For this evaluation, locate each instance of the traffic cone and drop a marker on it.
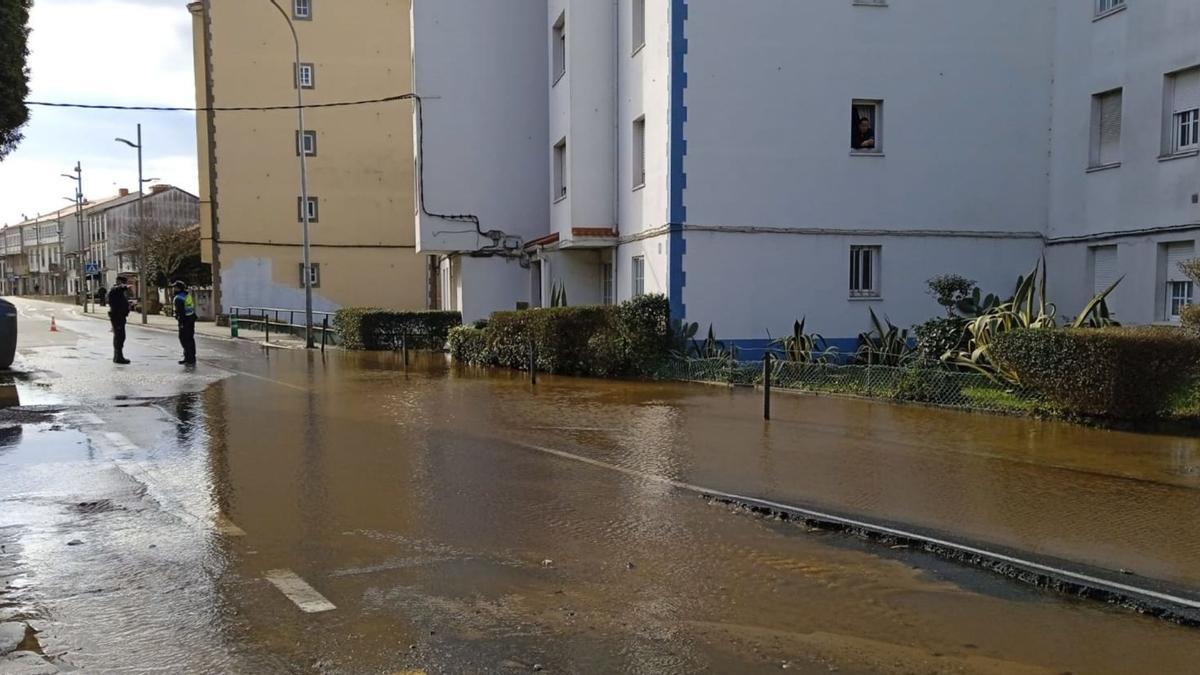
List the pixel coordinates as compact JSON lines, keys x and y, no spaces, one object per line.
{"x":53,"y":325}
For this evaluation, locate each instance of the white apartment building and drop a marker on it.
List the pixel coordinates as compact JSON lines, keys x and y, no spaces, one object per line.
{"x":765,"y":160}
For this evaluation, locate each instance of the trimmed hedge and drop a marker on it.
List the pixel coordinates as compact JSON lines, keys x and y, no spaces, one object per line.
{"x":632,"y":338}
{"x":364,"y":328}
{"x":938,"y":336}
{"x":1189,"y":318}
{"x":1127,"y":373}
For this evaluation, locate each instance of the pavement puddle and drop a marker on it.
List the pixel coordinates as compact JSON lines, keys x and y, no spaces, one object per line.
{"x":298,"y":591}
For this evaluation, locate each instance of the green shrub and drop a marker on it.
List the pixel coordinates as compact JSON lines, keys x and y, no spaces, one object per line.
{"x":1189,"y":318}
{"x":381,"y":329}
{"x":632,"y":338}
{"x":1126,"y":373}
{"x":937,"y":337}
{"x":470,"y":345}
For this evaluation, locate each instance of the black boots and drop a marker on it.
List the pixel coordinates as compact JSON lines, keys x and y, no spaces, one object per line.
{"x":119,"y":358}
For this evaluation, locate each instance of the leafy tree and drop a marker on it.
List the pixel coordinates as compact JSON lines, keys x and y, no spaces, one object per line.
{"x":14,"y":73}
{"x":949,"y":290}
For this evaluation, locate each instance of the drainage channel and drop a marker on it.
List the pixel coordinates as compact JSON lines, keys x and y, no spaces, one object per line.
{"x":1175,"y":605}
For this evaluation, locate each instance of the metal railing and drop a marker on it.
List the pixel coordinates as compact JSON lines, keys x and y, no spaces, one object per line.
{"x":930,"y":385}
{"x":272,"y":319}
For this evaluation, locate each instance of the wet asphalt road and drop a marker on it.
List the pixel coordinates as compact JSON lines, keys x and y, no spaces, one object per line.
{"x":143,"y":509}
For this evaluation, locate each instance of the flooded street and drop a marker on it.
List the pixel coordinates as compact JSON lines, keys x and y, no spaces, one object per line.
{"x":460,"y":521}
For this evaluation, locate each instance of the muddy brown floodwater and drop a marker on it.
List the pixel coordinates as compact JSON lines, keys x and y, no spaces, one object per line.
{"x":415,"y":501}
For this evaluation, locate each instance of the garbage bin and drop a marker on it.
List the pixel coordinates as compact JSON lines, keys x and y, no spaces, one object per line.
{"x":8,"y":333}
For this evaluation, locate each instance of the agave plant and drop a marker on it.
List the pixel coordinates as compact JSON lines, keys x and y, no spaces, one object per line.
{"x":885,"y":344}
{"x":711,"y":348}
{"x":801,"y":347}
{"x":1026,"y":309}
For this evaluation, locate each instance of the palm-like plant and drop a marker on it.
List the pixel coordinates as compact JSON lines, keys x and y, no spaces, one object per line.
{"x":801,"y":347}
{"x":885,"y":344}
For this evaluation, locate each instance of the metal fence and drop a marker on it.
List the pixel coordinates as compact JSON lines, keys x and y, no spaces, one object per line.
{"x":270,"y":320}
{"x":934,"y":385}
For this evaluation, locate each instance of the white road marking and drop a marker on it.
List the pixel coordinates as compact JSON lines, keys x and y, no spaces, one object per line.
{"x":226,"y":527}
{"x":121,"y":441}
{"x":574,"y":429}
{"x":90,"y":418}
{"x":298,"y":591}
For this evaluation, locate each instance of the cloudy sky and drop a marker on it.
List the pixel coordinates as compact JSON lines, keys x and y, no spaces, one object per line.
{"x":129,"y":52}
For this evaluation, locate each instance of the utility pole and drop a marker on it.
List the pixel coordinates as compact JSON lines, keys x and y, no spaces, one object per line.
{"x":308,"y":310}
{"x":81,"y":284}
{"x":140,"y":214}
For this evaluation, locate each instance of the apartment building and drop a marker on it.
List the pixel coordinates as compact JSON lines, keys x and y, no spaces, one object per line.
{"x":762,"y":161}
{"x":110,"y":227}
{"x":359,"y":158}
{"x":32,"y":256}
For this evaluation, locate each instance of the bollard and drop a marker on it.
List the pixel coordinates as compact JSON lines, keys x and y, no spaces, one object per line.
{"x":404,"y":349}
{"x":267,"y":327}
{"x":532,"y":362}
{"x":767,"y":386}
{"x":324,"y":332}
{"x":233,"y":327}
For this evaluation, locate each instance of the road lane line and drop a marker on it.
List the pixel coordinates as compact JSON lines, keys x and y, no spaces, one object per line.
{"x":1085,"y":580}
{"x":255,"y":377}
{"x":120,"y":440}
{"x":91,"y":418}
{"x":227,"y":527}
{"x":298,"y":591}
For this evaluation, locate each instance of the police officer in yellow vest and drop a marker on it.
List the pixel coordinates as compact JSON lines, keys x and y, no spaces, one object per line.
{"x":185,"y":314}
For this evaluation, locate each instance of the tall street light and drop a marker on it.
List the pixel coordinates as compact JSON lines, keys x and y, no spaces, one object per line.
{"x":141,"y":216}
{"x":308,"y":310}
{"x":77,"y":178}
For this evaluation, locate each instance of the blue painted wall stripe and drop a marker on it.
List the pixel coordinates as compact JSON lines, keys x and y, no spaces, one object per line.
{"x":677,"y":211}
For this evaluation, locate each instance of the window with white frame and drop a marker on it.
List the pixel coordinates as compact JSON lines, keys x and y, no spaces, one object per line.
{"x":639,"y":25}
{"x":314,"y":274}
{"x":639,"y":152}
{"x":313,"y":209}
{"x":638,"y":270}
{"x":306,"y":143}
{"x":559,"y":47}
{"x":606,"y":283}
{"x":560,"y":170}
{"x":1179,"y":288}
{"x":1182,"y":105}
{"x":864,"y":271}
{"x":866,"y":119}
{"x":1106,"y":6}
{"x":1106,"y":129}
{"x":306,"y":76}
{"x":302,"y":9}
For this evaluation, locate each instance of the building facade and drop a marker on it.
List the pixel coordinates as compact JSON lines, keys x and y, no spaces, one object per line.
{"x":359,"y":157}
{"x":759,"y":162}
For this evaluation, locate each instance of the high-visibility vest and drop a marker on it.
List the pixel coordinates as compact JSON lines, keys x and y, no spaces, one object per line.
{"x":189,"y":304}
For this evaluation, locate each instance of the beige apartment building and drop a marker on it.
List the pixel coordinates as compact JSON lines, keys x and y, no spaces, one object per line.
{"x":360,"y":158}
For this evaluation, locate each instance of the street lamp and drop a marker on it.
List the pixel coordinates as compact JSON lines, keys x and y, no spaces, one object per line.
{"x":77,"y":178}
{"x":308,"y":310}
{"x":141,"y":217}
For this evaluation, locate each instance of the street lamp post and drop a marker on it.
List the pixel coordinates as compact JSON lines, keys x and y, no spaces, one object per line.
{"x":308,"y":310}
{"x":140,"y":214}
{"x":82,"y":281}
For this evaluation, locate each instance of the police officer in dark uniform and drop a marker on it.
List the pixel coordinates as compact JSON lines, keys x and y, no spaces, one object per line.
{"x":185,"y":315}
{"x":118,"y":313}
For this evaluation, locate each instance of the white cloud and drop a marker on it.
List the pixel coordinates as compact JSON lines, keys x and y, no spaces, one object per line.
{"x":103,"y":51}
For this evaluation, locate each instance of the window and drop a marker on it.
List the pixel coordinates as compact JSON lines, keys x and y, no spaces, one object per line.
{"x":606,"y":283}
{"x":1108,"y":6}
{"x":314,"y":274}
{"x":639,"y":276}
{"x":302,"y":9}
{"x":864,"y":271}
{"x":560,"y":170}
{"x":306,"y":76}
{"x":1106,"y":129}
{"x":1179,"y":287}
{"x":866,"y":121}
{"x":306,"y":143}
{"x":560,"y":47}
{"x":1182,"y":93}
{"x":313,"y":209}
{"x":1104,"y":268}
{"x":639,"y":152}
{"x":639,"y":25}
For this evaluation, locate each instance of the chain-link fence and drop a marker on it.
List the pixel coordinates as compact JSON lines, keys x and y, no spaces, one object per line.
{"x":917,"y":384}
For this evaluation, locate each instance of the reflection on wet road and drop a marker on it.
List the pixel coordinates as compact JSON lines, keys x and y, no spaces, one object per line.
{"x":159,"y":519}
